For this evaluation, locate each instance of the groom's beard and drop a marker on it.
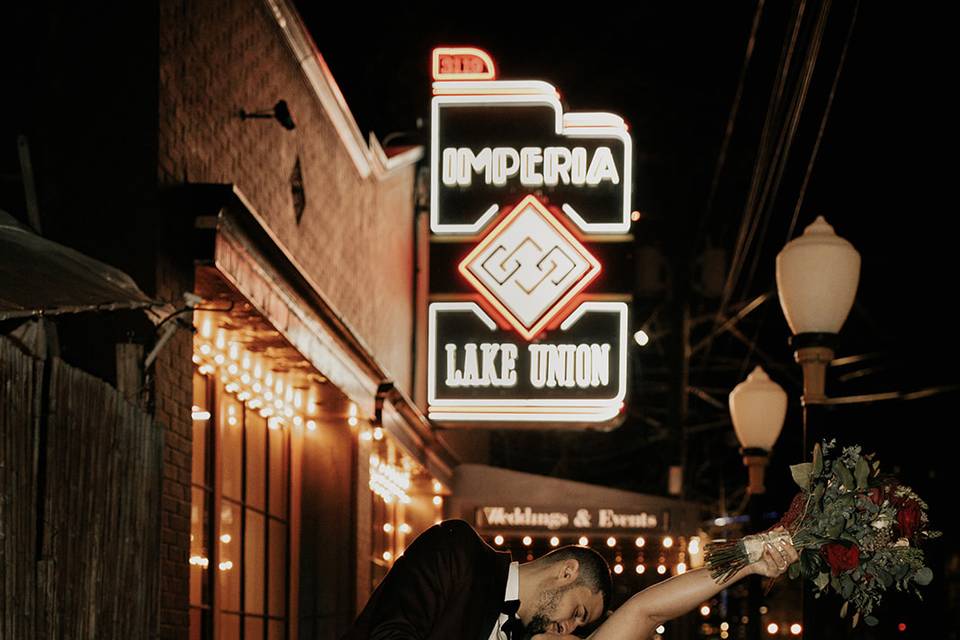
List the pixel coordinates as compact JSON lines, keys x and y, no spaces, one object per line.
{"x":546,"y":608}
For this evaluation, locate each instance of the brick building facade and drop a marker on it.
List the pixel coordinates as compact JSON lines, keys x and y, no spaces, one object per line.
{"x":304,"y":238}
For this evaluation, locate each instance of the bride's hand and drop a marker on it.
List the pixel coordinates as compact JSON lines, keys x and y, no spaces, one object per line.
{"x":776,"y":558}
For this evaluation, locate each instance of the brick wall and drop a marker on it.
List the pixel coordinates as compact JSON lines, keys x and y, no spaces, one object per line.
{"x":355,"y":238}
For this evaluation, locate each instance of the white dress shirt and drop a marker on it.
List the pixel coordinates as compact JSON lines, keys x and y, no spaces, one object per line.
{"x":512,"y":592}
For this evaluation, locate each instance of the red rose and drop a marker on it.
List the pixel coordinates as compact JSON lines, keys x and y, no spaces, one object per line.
{"x":841,"y":557}
{"x":908,"y":518}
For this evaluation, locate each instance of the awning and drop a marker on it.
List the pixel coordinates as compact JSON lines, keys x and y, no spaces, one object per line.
{"x":41,"y":277}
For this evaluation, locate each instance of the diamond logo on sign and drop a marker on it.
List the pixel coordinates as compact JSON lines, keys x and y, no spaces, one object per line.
{"x":529,"y":267}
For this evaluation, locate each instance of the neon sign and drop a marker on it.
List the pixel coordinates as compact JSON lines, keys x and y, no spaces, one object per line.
{"x":520,"y":338}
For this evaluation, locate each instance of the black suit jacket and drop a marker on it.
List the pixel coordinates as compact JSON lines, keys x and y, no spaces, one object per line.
{"x":448,"y":585}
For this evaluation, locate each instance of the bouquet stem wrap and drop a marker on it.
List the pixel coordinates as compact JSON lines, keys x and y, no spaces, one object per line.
{"x":726,"y":557}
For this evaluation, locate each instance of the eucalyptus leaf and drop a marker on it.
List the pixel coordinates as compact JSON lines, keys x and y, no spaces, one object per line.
{"x":844,"y":475}
{"x":924,"y":576}
{"x":801,"y":474}
{"x":846,"y":587}
{"x":817,"y":460}
{"x":871,"y":621}
{"x":821,"y":581}
{"x":862,"y":473}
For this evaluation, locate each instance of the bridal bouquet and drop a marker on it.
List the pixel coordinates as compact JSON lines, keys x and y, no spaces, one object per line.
{"x":857,"y":533}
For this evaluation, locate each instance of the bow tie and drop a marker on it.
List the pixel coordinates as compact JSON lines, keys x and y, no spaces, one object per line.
{"x":513,"y":628}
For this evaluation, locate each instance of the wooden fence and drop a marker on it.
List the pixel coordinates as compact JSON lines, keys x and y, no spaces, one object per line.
{"x":80,"y":474}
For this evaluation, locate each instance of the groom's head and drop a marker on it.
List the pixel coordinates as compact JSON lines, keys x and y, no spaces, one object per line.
{"x":566,"y":589}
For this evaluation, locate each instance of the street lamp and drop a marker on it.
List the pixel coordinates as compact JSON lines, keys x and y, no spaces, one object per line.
{"x":817,"y":276}
{"x":758,"y":407}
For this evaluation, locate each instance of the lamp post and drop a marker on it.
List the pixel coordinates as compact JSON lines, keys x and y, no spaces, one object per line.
{"x":817,"y":277}
{"x":758,"y":407}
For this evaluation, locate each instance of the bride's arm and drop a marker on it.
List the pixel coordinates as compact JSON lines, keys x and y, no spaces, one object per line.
{"x":653,"y":606}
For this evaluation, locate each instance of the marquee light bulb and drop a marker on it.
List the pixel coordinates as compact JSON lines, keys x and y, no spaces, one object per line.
{"x":498,"y":540}
{"x":554,"y":541}
{"x":611,"y":541}
{"x":527,"y":541}
{"x":667,"y":542}
{"x":583,"y":541}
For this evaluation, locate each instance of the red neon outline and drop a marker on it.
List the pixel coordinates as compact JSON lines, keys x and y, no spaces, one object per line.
{"x":483,"y":56}
{"x":549,"y":314}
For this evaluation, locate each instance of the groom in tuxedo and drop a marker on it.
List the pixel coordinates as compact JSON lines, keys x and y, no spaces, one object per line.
{"x":450,"y":585}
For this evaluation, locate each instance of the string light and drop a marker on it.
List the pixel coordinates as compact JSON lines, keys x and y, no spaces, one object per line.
{"x":389,"y":481}
{"x":583,"y":541}
{"x":498,"y":540}
{"x":527,"y":541}
{"x":226,"y":565}
{"x":796,"y":629}
{"x":225,"y":538}
{"x":640,"y":542}
{"x":437,"y":500}
{"x":773,"y":628}
{"x":641,"y":569}
{"x":378,"y":433}
{"x":705,"y":610}
{"x":387,"y":527}
{"x":311,"y":425}
{"x":387,"y":556}
{"x":352,"y":415}
{"x":681,"y":567}
{"x":554,"y":541}
{"x":200,"y":561}
{"x":661,"y":629}
{"x":437,"y":487}
{"x":611,"y":541}
{"x":694,"y":545}
{"x":661,"y":569}
{"x":405,"y":528}
{"x":667,"y":542}
{"x":724,"y":626}
{"x":618,"y":568}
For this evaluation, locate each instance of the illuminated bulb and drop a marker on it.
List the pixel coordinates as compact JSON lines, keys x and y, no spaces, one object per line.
{"x":196,"y":359}
{"x":366,"y":435}
{"x":724,"y":635}
{"x":378,"y":433}
{"x":233,"y":387}
{"x":278,"y":403}
{"x":226,"y":565}
{"x":257,"y":388}
{"x":694,"y":546}
{"x":437,"y":500}
{"x":232,"y":421}
{"x":437,"y":487}
{"x":268,"y":380}
{"x":640,"y":542}
{"x":352,"y":410}
{"x":352,"y":421}
{"x":311,"y":425}
{"x":681,"y":567}
{"x":278,"y":387}
{"x":297,"y":421}
{"x":206,"y":327}
{"x":374,"y":460}
{"x":387,"y":556}
{"x":527,"y":541}
{"x":772,"y":628}
{"x":219,"y":359}
{"x":661,"y":569}
{"x":554,"y":541}
{"x":634,"y":215}
{"x":618,"y":568}
{"x":199,"y":414}
{"x":641,"y":338}
{"x":405,"y":528}
{"x":641,"y":569}
{"x":221,"y":340}
{"x":245,"y":378}
{"x":243,"y":396}
{"x":705,"y":610}
{"x":205,"y":349}
{"x":298,"y":399}
{"x":255,"y":403}
{"x":724,"y":626}
{"x":661,"y":629}
{"x":583,"y":541}
{"x":796,"y":629}
{"x":667,"y":542}
{"x":257,"y":370}
{"x":245,"y":363}
{"x":225,"y":538}
{"x":763,"y":610}
{"x":266,"y":412}
{"x":288,"y":412}
{"x":611,"y":541}
{"x":234,"y":351}
{"x":275,"y":422}
{"x":206,"y":369}
{"x":498,"y":540}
